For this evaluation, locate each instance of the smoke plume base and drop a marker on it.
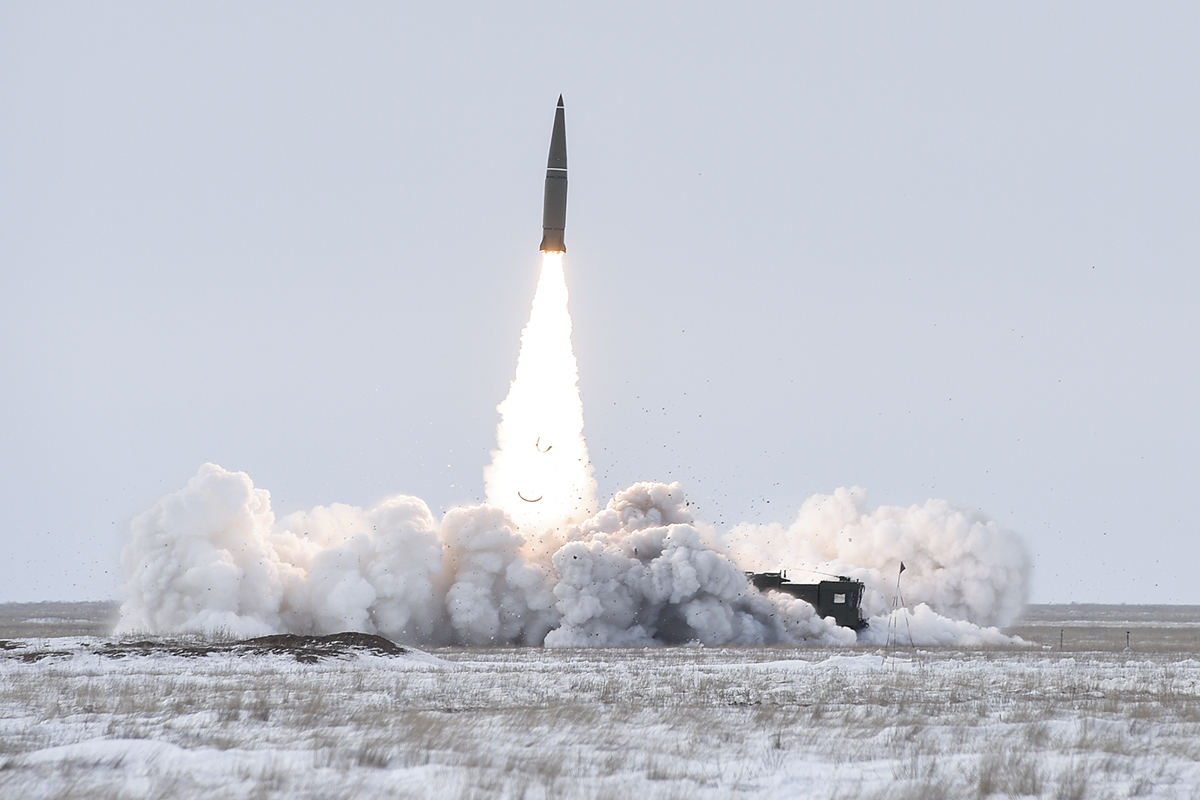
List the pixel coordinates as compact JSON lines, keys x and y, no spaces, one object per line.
{"x":212,"y":557}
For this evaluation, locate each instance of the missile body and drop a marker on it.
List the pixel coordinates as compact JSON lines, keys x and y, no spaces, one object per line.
{"x":554,"y":212}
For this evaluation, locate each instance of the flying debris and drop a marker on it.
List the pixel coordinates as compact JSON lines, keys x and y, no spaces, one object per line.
{"x":554,"y":213}
{"x":527,"y":500}
{"x":538,"y":445}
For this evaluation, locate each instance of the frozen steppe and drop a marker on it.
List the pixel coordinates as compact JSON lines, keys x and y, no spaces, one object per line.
{"x":1087,"y":718}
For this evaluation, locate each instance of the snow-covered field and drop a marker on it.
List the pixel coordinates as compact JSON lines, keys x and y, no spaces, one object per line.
{"x":1091,"y":719}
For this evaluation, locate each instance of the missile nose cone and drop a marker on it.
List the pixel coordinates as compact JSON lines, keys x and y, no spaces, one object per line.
{"x":560,"y":105}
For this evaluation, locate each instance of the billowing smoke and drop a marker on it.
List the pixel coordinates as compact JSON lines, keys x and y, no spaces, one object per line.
{"x":211,"y":557}
{"x":539,"y":564}
{"x":496,"y":594}
{"x":642,"y":572}
{"x":960,"y":565}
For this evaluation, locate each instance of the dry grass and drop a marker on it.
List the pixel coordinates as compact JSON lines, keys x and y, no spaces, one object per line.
{"x":661,"y":723}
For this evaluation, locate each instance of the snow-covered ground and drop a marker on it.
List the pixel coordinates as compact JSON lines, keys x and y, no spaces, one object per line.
{"x":654,"y":723}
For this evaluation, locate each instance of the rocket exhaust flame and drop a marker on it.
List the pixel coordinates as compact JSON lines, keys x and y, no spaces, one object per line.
{"x":543,"y":405}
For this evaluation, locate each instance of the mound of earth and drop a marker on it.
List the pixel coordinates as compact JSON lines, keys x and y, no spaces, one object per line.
{"x":310,"y":648}
{"x":307,"y":649}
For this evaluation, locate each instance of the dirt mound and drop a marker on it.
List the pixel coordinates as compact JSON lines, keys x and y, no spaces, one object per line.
{"x":307,"y":649}
{"x":310,"y":648}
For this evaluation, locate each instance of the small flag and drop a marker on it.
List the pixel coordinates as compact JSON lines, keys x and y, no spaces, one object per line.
{"x":901,"y":567}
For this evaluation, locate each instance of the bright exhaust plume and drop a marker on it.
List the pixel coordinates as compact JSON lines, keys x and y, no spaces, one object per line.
{"x":540,"y":472}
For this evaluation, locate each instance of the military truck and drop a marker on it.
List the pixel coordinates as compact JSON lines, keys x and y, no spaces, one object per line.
{"x":840,"y":599}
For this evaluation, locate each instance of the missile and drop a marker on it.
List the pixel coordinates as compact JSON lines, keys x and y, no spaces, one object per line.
{"x":554,"y":212}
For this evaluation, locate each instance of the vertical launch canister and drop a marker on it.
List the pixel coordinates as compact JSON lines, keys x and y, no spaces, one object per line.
{"x":554,"y":213}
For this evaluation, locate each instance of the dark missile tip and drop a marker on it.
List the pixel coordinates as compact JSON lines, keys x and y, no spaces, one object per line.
{"x":560,"y":101}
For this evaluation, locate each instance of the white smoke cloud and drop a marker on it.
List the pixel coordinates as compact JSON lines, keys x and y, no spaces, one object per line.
{"x":498,"y":596}
{"x":539,"y":564}
{"x":641,"y":572}
{"x":958,"y":562}
{"x":924,"y":626}
{"x":211,"y":557}
{"x":373,"y":571}
{"x":201,"y":559}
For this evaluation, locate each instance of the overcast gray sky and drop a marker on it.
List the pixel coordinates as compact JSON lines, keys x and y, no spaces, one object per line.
{"x":935,"y":250}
